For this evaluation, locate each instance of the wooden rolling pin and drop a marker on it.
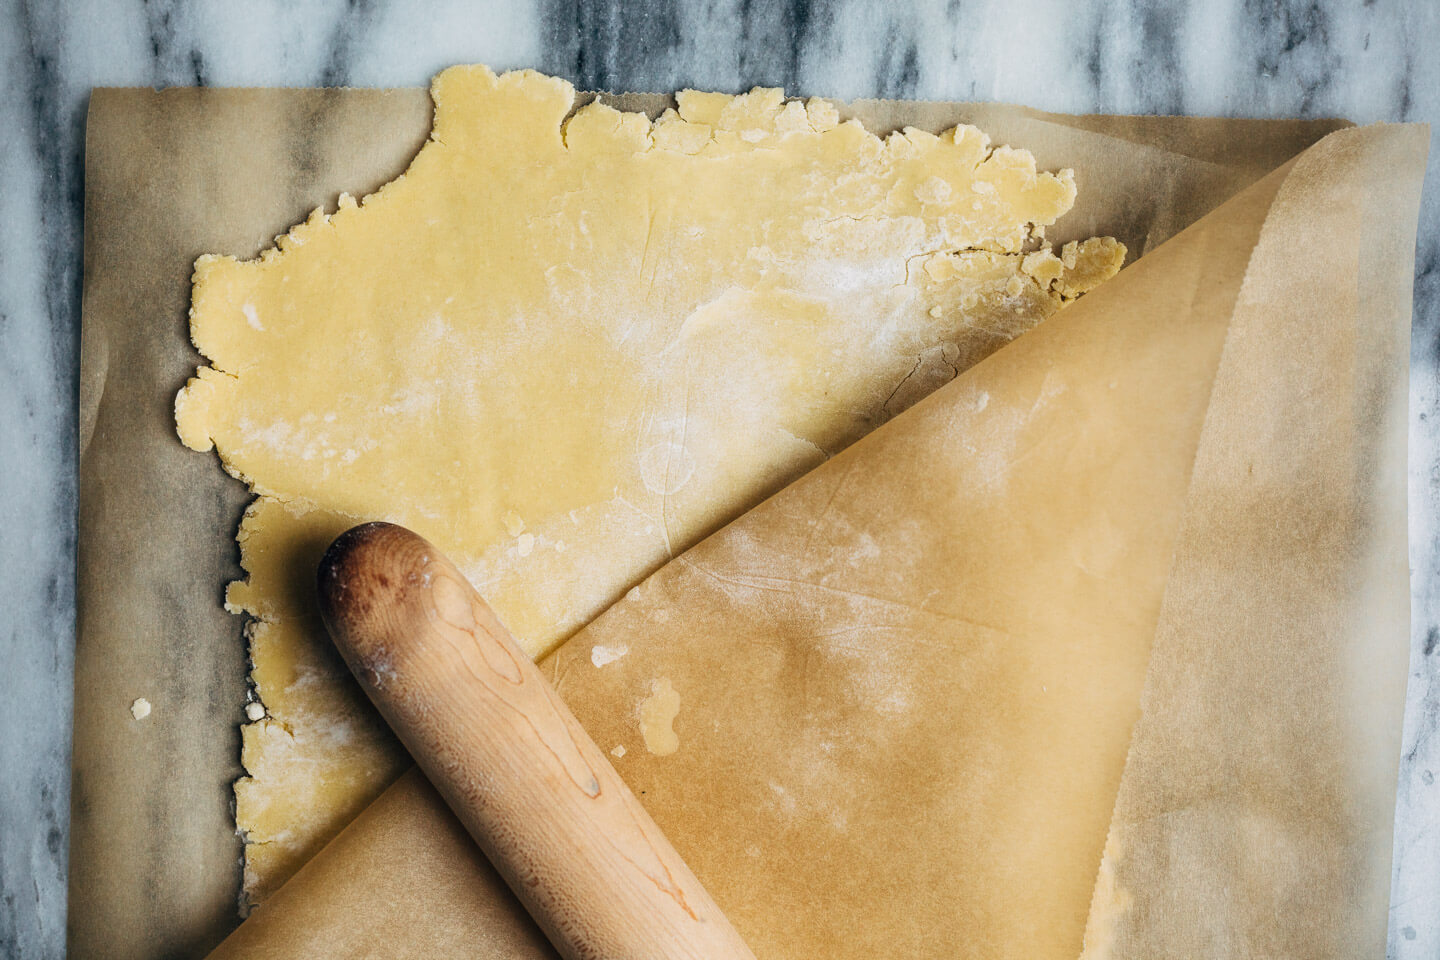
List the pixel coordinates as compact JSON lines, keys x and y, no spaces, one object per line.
{"x":529,"y":784}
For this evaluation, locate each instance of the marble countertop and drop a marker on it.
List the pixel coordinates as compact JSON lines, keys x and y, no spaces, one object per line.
{"x":1379,"y":60}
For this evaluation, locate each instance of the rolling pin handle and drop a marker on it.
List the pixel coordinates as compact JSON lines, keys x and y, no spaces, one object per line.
{"x":522,"y":775}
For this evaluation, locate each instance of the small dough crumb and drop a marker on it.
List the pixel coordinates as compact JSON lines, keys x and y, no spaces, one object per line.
{"x":525,"y":543}
{"x":1088,"y":264}
{"x":619,"y":750}
{"x":255,"y":711}
{"x":140,"y":709}
{"x":657,"y":716}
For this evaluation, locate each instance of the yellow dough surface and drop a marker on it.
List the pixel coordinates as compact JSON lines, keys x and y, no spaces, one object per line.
{"x":565,"y":347}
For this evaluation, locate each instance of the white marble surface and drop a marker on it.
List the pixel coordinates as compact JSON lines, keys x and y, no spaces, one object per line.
{"x":1370,"y":60}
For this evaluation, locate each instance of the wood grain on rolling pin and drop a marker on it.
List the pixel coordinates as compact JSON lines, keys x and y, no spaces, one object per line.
{"x":531,"y":787}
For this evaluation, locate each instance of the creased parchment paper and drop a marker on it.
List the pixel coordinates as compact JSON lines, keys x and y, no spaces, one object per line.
{"x":149,"y":806}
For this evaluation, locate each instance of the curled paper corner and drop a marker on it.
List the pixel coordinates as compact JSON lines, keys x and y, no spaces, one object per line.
{"x":1228,"y":822}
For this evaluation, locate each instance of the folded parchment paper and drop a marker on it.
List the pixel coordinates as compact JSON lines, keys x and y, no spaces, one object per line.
{"x":155,"y":870}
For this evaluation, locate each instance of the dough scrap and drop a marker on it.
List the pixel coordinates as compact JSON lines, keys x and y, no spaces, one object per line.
{"x":567,"y":347}
{"x":657,"y":717}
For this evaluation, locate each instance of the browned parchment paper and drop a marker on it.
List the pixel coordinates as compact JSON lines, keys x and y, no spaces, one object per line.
{"x":178,"y":173}
{"x":1012,"y":601}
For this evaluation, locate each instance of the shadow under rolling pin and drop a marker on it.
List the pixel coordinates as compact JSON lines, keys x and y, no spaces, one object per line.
{"x":514,"y":764}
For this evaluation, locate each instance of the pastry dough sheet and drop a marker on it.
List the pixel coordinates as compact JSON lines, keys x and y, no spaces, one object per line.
{"x":567,"y":346}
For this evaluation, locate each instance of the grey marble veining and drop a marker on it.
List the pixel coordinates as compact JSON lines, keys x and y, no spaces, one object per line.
{"x":1368,"y":61}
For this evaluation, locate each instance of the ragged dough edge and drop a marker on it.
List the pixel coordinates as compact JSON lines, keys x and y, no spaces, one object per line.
{"x":703,"y":125}
{"x":284,"y":738}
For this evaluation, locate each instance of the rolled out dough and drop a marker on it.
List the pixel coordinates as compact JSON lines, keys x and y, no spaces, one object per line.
{"x":566,"y":347}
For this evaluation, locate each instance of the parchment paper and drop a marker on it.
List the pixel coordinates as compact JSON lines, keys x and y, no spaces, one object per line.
{"x":174,"y":174}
